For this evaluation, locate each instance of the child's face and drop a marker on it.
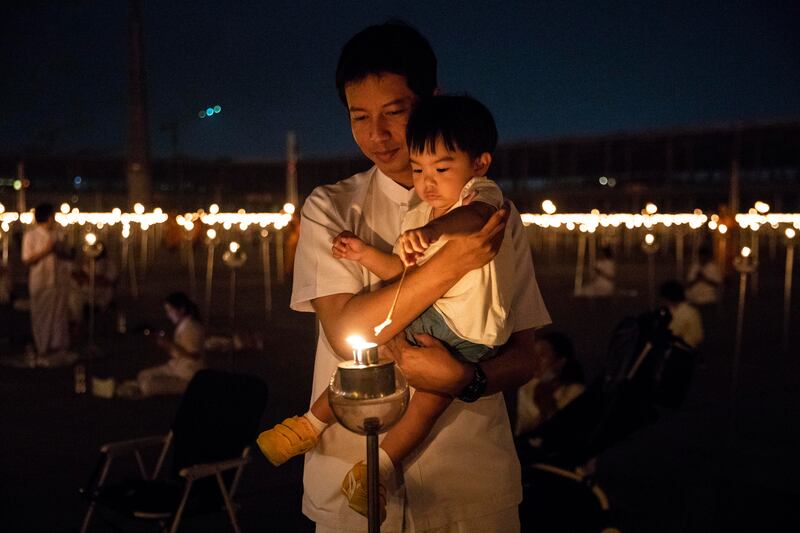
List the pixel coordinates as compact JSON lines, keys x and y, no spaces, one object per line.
{"x":440,"y":175}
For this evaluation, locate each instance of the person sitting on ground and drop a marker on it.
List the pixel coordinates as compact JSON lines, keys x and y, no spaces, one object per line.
{"x":451,"y":139}
{"x":558,"y":380}
{"x":605,"y":270}
{"x":686,"y":322}
{"x":704,"y":280}
{"x":186,"y":351}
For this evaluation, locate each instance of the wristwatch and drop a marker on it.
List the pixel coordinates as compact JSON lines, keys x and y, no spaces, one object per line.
{"x":476,"y":387}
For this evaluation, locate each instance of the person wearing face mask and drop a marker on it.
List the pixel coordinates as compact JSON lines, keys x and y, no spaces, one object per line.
{"x":557,"y":381}
{"x":185,"y":350}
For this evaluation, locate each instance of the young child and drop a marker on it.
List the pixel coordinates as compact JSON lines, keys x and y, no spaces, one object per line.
{"x":450,"y":139}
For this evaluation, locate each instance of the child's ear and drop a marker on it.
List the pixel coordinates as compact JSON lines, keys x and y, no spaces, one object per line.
{"x":481,"y":164}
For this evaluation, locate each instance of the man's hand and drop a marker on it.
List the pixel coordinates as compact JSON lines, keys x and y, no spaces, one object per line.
{"x":477,"y":249}
{"x":429,"y":367}
{"x":347,"y":245}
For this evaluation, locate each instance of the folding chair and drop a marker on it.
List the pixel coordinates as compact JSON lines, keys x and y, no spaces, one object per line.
{"x":217,"y":420}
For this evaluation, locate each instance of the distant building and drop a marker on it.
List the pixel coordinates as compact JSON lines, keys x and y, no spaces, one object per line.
{"x":679,"y":168}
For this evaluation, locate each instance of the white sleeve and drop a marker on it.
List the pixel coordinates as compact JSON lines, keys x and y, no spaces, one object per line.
{"x":316,"y":272}
{"x":484,"y":190}
{"x":191,"y":338}
{"x":527,"y":306}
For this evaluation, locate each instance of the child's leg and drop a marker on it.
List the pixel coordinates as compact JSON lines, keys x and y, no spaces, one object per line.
{"x":423,"y":411}
{"x":321,"y":409}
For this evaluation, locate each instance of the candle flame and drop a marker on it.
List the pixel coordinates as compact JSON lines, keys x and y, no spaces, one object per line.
{"x":357,"y":342}
{"x":746,"y":252}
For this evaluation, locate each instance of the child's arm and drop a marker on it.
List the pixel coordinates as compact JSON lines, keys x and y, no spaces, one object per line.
{"x":463,"y":220}
{"x":347,"y":245}
{"x":423,"y":411}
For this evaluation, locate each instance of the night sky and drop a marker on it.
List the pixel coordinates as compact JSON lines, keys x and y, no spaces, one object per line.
{"x":544,"y":68}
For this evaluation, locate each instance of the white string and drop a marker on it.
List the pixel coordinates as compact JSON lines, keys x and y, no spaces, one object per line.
{"x":388,"y":320}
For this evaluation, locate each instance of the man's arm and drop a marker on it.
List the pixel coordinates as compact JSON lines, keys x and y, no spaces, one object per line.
{"x":345,"y":314}
{"x":463,"y":220}
{"x":431,"y":367}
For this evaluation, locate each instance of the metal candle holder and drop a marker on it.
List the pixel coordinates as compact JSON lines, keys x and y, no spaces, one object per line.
{"x":745,"y":264}
{"x":650,"y":247}
{"x":234,"y":257}
{"x":92,"y":248}
{"x":368,"y":396}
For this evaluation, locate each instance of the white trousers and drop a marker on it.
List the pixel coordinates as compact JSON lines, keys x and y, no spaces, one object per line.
{"x":504,"y":521}
{"x":50,"y":319}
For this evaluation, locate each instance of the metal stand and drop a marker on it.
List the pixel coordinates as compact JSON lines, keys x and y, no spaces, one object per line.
{"x":265,"y":263}
{"x":787,"y":287}
{"x":745,"y":264}
{"x":371,"y":426}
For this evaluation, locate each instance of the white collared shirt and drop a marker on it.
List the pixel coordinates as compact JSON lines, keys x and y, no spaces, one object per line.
{"x":467,"y":466}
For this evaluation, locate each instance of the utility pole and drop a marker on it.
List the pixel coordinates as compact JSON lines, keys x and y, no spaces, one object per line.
{"x":137,"y":169}
{"x":291,"y":168}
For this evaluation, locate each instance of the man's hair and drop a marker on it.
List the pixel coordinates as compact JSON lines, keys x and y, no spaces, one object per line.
{"x":180,"y":301}
{"x":43,"y":212}
{"x":672,"y":291}
{"x":463,"y":124}
{"x":391,"y":47}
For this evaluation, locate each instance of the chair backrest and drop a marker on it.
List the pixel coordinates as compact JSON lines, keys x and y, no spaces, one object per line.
{"x":218,"y":416}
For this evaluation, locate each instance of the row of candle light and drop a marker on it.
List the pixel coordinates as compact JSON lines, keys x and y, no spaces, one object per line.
{"x":754,"y":219}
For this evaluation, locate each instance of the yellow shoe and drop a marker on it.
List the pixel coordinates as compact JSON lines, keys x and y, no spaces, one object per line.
{"x":293,"y":436}
{"x":354,"y":488}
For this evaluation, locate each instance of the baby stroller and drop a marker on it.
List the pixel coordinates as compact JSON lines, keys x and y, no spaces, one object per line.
{"x":646,"y":368}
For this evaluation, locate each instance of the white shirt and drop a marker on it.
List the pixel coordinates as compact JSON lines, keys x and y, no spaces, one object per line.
{"x":529,"y":417}
{"x":686,"y":323}
{"x":189,"y":335}
{"x":477,"y":307}
{"x":49,"y":271}
{"x":701,"y":292}
{"x":467,"y":467}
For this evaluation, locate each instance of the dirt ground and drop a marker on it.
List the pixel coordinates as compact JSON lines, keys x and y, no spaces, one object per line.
{"x":689,"y":471}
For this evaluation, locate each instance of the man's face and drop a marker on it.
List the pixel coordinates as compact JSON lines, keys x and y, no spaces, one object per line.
{"x":379,"y":106}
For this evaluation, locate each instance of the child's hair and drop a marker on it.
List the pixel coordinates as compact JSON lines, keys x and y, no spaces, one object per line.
{"x":393,"y":47}
{"x":180,"y":301}
{"x":463,"y":124}
{"x":43,"y":212}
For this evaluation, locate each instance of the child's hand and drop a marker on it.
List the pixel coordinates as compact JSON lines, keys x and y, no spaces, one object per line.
{"x":415,"y":241}
{"x":347,"y":245}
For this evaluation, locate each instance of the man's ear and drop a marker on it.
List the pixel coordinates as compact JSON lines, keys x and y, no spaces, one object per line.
{"x":481,"y":164}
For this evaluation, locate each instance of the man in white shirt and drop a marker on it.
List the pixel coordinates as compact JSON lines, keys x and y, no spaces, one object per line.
{"x":704,"y":279}
{"x":686,"y":322}
{"x":466,"y":477}
{"x":48,"y":284}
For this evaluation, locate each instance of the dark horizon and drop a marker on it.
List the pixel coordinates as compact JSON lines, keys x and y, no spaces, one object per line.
{"x":573,"y":69}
